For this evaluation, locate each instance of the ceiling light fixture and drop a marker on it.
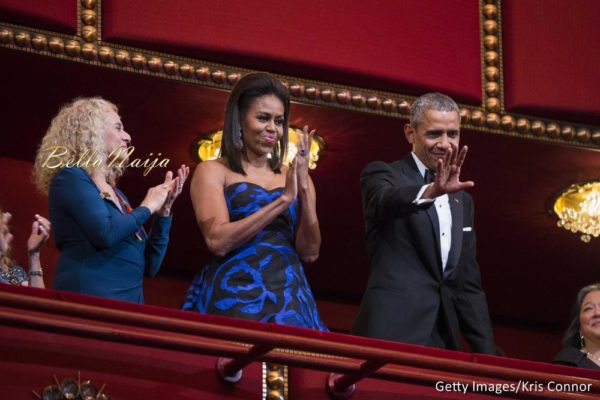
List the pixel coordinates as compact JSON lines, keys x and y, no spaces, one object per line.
{"x":578,"y":209}
{"x":208,"y":147}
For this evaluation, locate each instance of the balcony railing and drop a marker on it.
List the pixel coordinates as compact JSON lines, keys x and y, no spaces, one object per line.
{"x":27,"y":315}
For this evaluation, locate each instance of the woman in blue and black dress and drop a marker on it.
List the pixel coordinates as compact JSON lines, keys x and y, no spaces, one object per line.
{"x":258,"y":216}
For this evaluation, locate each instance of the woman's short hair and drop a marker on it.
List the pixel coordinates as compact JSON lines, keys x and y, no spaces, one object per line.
{"x":573,"y":335}
{"x":78,"y":130}
{"x":244,"y":93}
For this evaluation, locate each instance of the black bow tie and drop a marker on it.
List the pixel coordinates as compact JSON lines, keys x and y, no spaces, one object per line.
{"x":429,"y":176}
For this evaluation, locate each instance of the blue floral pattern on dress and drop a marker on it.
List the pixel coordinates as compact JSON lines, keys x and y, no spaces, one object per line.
{"x":262,"y":280}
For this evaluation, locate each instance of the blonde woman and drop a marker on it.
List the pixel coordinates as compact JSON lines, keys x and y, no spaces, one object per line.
{"x":11,"y":273}
{"x":104,"y":249}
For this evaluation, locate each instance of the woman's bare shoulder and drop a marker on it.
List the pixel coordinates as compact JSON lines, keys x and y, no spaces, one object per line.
{"x":213,"y":166}
{"x":211,"y":170}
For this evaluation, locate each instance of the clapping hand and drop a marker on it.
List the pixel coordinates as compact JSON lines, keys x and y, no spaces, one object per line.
{"x":40,"y":232}
{"x":303,"y":157}
{"x":176,"y":188}
{"x":291,"y":182}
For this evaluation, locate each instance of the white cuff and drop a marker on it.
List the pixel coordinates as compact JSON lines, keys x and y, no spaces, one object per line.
{"x":418,"y":200}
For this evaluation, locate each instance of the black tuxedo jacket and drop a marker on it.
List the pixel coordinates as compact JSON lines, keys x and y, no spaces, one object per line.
{"x":409,"y":294}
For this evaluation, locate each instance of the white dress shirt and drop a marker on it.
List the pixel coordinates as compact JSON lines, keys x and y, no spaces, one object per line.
{"x":442,"y":207}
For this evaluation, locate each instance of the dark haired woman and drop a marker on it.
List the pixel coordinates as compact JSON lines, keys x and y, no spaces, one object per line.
{"x":257,"y":216}
{"x":582,"y":339}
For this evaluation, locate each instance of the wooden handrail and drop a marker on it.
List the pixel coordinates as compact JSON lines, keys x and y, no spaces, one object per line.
{"x":343,"y":386}
{"x":193,"y":344}
{"x":207,"y":338}
{"x":229,"y":369}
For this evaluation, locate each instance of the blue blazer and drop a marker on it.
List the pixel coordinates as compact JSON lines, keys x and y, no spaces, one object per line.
{"x":100,"y":253}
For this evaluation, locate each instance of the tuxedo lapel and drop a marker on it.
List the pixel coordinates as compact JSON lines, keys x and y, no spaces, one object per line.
{"x":456,"y":209}
{"x":411,"y":171}
{"x":435,"y":224}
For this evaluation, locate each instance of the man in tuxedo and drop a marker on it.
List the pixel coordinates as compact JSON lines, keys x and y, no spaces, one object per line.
{"x":424,"y":285}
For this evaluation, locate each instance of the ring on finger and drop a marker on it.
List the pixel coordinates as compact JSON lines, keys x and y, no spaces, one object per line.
{"x":302,"y":152}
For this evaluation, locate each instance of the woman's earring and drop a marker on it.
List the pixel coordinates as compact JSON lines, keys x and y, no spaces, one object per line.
{"x":275,"y":153}
{"x":581,"y":341}
{"x":239,"y":142}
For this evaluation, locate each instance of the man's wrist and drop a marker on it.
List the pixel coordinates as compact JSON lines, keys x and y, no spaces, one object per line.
{"x":430,"y":192}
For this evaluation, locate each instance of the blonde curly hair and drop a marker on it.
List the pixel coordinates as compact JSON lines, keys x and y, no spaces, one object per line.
{"x":79,"y":128}
{"x":5,"y":260}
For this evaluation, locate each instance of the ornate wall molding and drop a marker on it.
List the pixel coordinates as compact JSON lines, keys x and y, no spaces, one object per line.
{"x":88,"y":48}
{"x":491,"y":56}
{"x":494,"y":116}
{"x":88,"y":20}
{"x":275,"y":382}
